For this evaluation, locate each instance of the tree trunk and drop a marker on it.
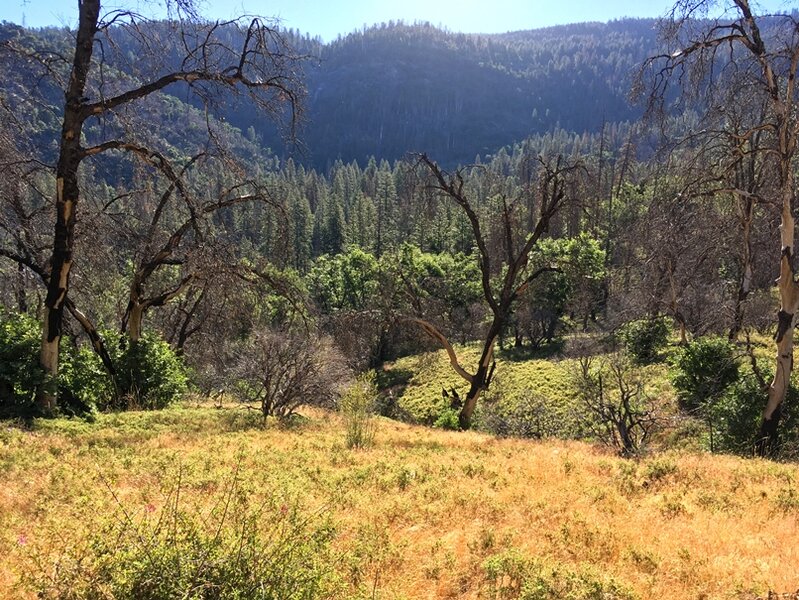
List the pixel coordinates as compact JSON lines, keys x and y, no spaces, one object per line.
{"x":133,"y":323}
{"x":767,"y":441}
{"x":67,"y":194}
{"x":481,"y":379}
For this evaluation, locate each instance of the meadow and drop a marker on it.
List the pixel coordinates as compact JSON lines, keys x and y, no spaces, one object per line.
{"x":422,"y":513}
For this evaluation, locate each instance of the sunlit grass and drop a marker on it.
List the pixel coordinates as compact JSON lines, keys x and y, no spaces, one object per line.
{"x":422,"y":513}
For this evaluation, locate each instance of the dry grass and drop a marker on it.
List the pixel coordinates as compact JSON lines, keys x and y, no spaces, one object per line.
{"x":418,"y":514}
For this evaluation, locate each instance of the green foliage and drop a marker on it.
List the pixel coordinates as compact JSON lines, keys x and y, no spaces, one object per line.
{"x":149,"y":374}
{"x":20,"y":370}
{"x":645,"y":338}
{"x":702,"y":370}
{"x":344,"y":281}
{"x":357,"y":406}
{"x":512,"y":575}
{"x":83,"y":383}
{"x":575,"y":287}
{"x":238,"y":551}
{"x":448,"y":419}
{"x":735,"y":418}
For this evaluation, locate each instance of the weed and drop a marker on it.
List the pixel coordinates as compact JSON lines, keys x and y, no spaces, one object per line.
{"x":357,"y":406}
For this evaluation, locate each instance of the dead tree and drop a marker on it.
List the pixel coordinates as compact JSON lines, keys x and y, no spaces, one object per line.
{"x":719,"y":62}
{"x":511,"y":265}
{"x":258,"y":62}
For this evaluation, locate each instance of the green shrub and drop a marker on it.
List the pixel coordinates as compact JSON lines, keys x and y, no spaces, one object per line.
{"x":735,"y":418}
{"x":83,"y":383}
{"x":357,"y":406}
{"x":448,"y":419}
{"x":240,"y":550}
{"x":645,"y":338}
{"x":702,"y":371}
{"x":149,"y":374}
{"x":20,"y":370}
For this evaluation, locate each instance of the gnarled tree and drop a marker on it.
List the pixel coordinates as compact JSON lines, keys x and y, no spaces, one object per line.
{"x":241,"y":55}
{"x":504,"y":275}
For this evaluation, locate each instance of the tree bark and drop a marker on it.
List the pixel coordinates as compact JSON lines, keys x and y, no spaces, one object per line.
{"x":767,"y":440}
{"x":67,"y":195}
{"x":481,"y":379}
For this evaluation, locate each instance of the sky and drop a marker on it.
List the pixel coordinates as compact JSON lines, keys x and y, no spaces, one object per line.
{"x":329,"y":18}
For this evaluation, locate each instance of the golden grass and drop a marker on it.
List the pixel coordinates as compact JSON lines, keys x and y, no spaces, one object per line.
{"x":418,"y":514}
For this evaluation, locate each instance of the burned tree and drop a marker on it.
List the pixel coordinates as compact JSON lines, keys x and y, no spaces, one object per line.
{"x":504,"y":277}
{"x":204,"y":57}
{"x":721,"y":62}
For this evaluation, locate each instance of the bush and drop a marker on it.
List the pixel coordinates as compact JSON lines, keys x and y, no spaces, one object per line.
{"x":20,"y":370}
{"x":531,"y":415}
{"x":702,"y":371}
{"x":612,"y":403}
{"x":149,"y":374}
{"x":357,"y":406}
{"x":735,"y":418}
{"x":645,"y":338}
{"x":283,"y":370}
{"x":240,"y":550}
{"x":449,"y":419}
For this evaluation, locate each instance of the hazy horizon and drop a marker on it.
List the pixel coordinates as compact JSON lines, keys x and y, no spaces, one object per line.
{"x":329,"y":20}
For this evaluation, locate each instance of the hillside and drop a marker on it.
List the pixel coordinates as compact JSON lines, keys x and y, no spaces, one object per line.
{"x":422,"y":514}
{"x":398,"y":88}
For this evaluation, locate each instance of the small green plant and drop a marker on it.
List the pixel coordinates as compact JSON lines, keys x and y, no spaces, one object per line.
{"x":448,"y":419}
{"x":512,"y":575}
{"x":645,"y":338}
{"x":357,"y":406}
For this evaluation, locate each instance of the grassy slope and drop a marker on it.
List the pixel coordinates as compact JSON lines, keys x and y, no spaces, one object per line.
{"x":428,"y":373}
{"x":429,"y":507}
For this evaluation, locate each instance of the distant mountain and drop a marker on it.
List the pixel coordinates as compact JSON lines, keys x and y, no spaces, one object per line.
{"x":397,"y":88}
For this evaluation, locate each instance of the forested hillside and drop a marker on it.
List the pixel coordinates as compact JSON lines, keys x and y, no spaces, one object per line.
{"x":398,"y":88}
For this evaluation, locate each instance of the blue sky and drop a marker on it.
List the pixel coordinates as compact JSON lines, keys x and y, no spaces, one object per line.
{"x":332,"y":17}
